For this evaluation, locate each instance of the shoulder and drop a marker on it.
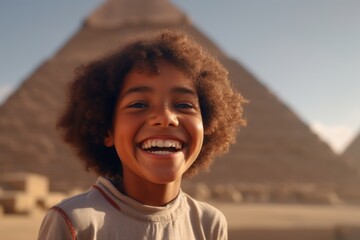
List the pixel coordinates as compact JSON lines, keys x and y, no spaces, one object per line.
{"x":58,"y":223}
{"x":98,"y":197}
{"x":66,"y":219}
{"x":211,"y":219}
{"x":79,"y":201}
{"x":93,"y":203}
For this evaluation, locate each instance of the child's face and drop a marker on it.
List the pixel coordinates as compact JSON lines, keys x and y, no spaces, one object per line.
{"x":157,"y":129}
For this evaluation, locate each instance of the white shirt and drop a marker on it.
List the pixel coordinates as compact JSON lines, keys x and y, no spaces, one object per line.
{"x":105,"y":213}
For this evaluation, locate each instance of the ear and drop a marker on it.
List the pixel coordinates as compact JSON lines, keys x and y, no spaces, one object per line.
{"x":109,"y":139}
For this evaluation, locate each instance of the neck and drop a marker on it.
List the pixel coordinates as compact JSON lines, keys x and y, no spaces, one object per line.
{"x":150,"y":193}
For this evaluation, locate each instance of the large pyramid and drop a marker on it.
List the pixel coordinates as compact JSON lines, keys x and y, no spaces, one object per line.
{"x":352,"y":152}
{"x":276,"y":146}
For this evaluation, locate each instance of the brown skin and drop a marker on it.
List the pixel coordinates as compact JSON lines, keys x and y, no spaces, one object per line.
{"x":150,"y":108}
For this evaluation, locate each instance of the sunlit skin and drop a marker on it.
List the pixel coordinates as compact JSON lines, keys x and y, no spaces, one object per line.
{"x":156,"y":106}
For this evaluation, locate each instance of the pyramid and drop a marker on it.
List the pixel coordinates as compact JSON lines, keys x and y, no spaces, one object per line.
{"x":276,"y":146}
{"x":352,"y":152}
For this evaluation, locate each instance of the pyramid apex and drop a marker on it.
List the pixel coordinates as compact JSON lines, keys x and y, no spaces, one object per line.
{"x":117,"y":13}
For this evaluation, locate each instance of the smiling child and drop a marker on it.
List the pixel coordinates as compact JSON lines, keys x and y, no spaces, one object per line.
{"x":145,"y":116}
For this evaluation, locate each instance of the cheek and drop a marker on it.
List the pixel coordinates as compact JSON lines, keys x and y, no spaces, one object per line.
{"x":199,"y":126}
{"x":124,"y":134}
{"x":197,"y":132}
{"x":125,"y":130}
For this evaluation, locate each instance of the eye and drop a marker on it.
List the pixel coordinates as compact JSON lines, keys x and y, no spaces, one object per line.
{"x":184,"y":105}
{"x":137,"y":105}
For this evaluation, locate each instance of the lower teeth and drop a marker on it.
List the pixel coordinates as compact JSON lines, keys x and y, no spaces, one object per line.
{"x":161,"y":152}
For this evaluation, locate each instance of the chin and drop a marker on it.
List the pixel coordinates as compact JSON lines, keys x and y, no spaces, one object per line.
{"x":166,"y":178}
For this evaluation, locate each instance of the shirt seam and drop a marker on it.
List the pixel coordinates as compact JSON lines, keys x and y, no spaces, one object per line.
{"x":67,"y":220}
{"x":111,"y":201}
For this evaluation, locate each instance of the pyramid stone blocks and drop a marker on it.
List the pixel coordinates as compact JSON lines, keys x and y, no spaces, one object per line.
{"x":16,"y":202}
{"x":21,"y":191}
{"x":31,"y":184}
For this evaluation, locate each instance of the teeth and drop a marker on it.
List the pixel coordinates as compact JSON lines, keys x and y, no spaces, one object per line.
{"x":161,"y":152}
{"x":167,"y":144}
{"x":161,"y":143}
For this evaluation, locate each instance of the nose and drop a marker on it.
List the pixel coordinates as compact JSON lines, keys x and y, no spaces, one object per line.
{"x":164,"y":117}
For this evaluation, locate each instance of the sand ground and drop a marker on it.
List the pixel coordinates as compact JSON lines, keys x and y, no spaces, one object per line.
{"x":292,"y":222}
{"x":246,"y":221}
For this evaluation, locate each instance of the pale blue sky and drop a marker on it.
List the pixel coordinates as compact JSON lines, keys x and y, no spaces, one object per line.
{"x":305,"y":51}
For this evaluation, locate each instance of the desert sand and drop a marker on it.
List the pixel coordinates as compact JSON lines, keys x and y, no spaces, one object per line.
{"x":246,"y":221}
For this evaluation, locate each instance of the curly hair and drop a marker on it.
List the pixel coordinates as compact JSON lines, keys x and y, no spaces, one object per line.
{"x":93,"y":94}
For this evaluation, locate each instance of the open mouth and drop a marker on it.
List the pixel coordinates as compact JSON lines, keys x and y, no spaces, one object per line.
{"x":161,"y":146}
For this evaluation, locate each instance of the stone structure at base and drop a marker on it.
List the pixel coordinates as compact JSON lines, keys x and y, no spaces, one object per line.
{"x":23,"y":193}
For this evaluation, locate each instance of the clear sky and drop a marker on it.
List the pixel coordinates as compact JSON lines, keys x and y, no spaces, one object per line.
{"x":307,"y":52}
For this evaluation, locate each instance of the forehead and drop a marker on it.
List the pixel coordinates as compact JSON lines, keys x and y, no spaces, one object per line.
{"x":165,"y":75}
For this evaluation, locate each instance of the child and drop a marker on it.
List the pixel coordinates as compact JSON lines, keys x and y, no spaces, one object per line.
{"x":153,"y":112}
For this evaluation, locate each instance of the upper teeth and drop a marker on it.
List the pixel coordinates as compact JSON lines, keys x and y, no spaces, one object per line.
{"x":161,"y":143}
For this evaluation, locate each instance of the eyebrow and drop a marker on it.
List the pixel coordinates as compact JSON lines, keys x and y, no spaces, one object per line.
{"x":183,"y":90}
{"x":146,"y":89}
{"x":141,"y":89}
